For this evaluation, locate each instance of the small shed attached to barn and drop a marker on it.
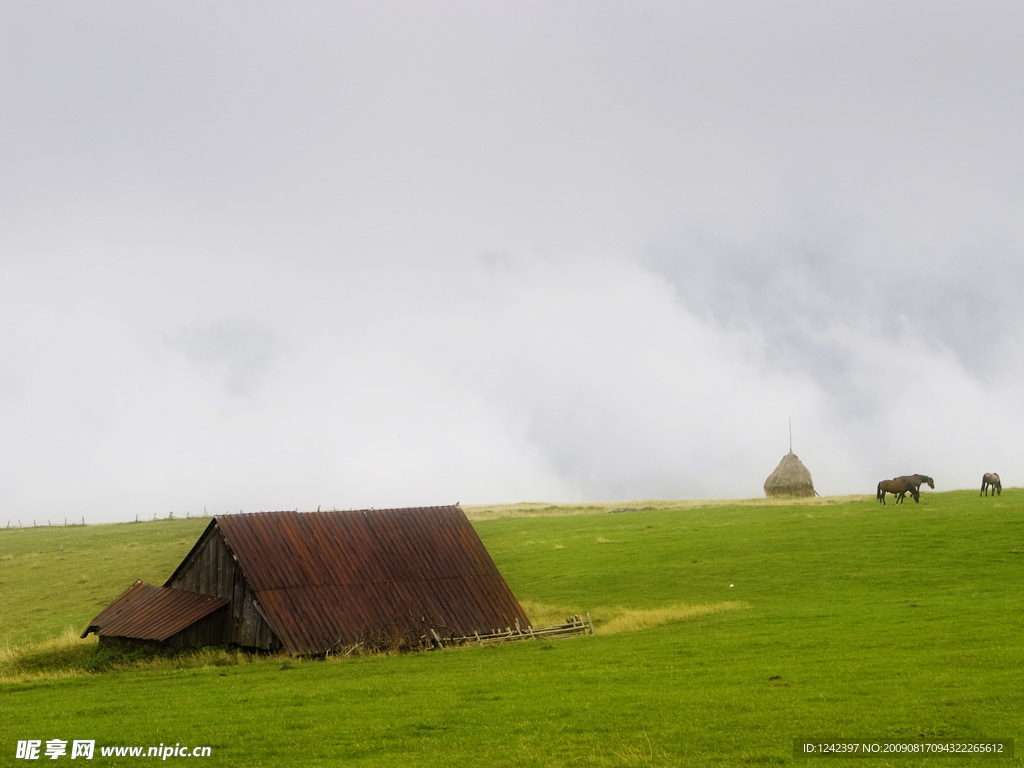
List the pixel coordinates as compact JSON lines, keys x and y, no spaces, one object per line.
{"x":313,"y":582}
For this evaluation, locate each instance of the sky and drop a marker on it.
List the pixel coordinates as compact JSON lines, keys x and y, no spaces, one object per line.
{"x":267,"y":255}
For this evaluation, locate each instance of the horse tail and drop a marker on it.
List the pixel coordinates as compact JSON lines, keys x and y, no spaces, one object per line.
{"x":878,"y":491}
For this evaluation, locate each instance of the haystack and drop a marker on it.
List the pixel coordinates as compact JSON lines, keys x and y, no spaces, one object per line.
{"x":790,"y":478}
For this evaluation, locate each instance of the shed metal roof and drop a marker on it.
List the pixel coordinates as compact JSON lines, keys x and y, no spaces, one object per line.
{"x":324,"y":579}
{"x":145,"y":612}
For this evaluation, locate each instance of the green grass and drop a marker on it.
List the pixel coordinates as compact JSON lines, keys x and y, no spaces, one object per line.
{"x":60,"y":577}
{"x":843,"y":619}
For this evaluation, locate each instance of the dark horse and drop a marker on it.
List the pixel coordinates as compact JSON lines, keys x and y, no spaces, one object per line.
{"x":898,"y":487}
{"x":991,"y":480}
{"x":901,"y":486}
{"x":916,"y":480}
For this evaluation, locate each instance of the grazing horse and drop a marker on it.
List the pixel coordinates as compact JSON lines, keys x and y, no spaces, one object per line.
{"x":898,"y":487}
{"x":916,"y":480}
{"x":991,"y":480}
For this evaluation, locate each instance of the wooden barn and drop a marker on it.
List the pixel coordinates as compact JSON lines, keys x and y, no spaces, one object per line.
{"x":315,"y":582}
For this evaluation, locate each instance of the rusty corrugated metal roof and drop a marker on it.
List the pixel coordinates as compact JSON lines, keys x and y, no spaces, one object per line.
{"x":145,"y":612}
{"x":325,"y":579}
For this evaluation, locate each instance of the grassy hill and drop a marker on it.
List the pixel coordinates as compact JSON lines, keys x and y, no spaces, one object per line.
{"x":725,"y":630}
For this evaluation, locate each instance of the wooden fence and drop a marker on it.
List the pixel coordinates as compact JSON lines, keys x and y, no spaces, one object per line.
{"x":574,"y":625}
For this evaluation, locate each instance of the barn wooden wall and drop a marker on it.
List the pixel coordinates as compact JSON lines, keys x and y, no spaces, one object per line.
{"x":210,"y":569}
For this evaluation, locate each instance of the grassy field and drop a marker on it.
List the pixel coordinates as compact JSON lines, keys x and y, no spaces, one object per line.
{"x":725,"y":631}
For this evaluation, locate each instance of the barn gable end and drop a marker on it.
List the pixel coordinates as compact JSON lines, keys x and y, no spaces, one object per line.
{"x":211,"y":569}
{"x":312,"y":582}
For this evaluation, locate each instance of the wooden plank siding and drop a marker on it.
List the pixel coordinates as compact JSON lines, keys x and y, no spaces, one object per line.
{"x":211,"y":569}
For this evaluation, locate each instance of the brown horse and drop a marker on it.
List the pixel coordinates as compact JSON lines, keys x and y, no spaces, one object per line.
{"x":991,"y":480}
{"x":898,"y":487}
{"x":916,"y":480}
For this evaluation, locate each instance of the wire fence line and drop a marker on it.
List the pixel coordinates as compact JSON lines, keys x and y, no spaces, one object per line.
{"x":14,"y":522}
